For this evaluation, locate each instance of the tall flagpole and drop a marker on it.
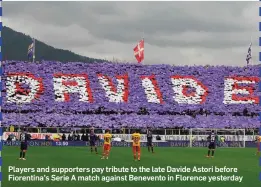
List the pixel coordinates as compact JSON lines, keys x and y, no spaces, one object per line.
{"x":143,"y":47}
{"x":34,"y":51}
{"x":252,"y":62}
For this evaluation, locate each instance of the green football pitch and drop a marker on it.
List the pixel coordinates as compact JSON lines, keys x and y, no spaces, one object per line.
{"x":71,"y":157}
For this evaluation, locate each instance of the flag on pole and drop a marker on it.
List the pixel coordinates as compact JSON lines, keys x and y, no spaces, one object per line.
{"x":249,"y":54}
{"x":139,"y":51}
{"x":31,"y":50}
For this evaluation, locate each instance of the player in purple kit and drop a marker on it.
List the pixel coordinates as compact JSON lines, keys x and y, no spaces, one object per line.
{"x":93,"y":141}
{"x":212,"y":138}
{"x":23,"y":141}
{"x":149,"y":141}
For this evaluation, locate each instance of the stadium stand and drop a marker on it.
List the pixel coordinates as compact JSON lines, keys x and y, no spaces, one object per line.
{"x":55,"y":94}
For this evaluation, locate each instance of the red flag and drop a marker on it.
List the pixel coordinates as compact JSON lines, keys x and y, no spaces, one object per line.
{"x":139,"y":51}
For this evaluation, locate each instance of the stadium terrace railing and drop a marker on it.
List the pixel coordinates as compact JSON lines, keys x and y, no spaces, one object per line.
{"x":156,"y":131}
{"x":194,"y":137}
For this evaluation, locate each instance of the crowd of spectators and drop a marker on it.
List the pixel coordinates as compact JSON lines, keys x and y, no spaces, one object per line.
{"x":137,"y":111}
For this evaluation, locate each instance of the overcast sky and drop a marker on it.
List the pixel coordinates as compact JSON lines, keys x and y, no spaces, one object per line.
{"x":175,"y":32}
